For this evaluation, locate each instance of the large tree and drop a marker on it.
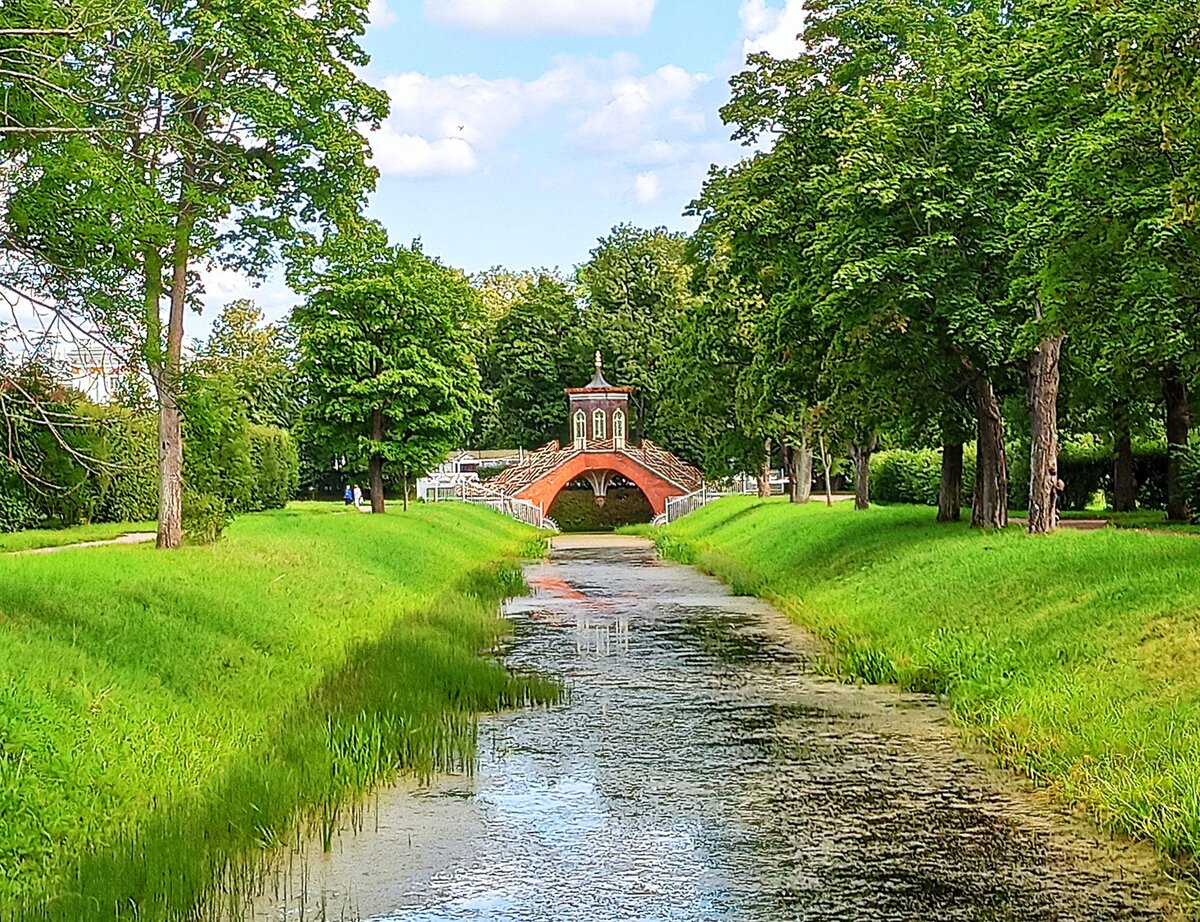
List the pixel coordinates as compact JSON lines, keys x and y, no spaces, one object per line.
{"x":215,"y":131}
{"x":258,"y":358}
{"x":635,"y":292}
{"x":536,"y":348}
{"x":386,"y":354}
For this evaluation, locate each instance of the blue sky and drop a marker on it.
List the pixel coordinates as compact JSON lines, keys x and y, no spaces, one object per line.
{"x":522,"y":130}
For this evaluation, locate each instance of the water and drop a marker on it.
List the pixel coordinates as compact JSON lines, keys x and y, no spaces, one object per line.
{"x":701,"y":768}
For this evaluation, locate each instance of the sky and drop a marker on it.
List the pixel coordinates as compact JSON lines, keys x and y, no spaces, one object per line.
{"x":523,"y":130}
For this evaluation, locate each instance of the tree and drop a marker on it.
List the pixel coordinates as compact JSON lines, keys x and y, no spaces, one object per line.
{"x":385,"y":347}
{"x":536,"y":349}
{"x":258,"y":358}
{"x":635,"y":292}
{"x":216,"y":132}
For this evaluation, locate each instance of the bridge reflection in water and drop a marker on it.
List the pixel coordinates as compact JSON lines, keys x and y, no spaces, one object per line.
{"x":701,"y":769}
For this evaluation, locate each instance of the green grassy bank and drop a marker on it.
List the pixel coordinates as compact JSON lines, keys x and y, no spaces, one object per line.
{"x":1075,"y":658}
{"x":165,"y":716}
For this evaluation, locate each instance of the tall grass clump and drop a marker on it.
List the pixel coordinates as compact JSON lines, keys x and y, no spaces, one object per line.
{"x":1075,"y":658}
{"x":164,"y":718}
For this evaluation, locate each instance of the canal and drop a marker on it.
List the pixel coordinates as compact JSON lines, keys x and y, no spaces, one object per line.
{"x":703,"y":767}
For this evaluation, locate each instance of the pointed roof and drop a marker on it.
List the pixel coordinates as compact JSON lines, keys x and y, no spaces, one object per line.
{"x":598,"y":384}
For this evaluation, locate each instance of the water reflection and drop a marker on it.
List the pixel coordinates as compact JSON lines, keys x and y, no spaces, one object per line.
{"x":700,"y":769}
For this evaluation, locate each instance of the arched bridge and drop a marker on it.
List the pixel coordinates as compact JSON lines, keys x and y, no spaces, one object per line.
{"x":545,"y":473}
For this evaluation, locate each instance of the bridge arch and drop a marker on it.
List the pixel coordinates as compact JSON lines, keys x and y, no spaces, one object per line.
{"x":657,"y":489}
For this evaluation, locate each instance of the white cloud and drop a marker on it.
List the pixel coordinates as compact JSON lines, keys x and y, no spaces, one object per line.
{"x":647,"y":188}
{"x":443,"y":126}
{"x":636,"y":113}
{"x":542,"y":17}
{"x":380,"y":15}
{"x":773,"y":29}
{"x":414,"y":157}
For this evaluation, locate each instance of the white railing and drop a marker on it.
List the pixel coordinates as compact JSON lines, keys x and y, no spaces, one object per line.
{"x":680,"y":506}
{"x":520,"y":509}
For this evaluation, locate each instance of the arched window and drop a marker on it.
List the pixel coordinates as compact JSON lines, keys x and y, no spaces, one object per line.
{"x":599,"y":426}
{"x":580,"y":428}
{"x":619,"y":428}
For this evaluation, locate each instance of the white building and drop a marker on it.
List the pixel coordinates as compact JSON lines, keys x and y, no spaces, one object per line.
{"x":463,"y":467}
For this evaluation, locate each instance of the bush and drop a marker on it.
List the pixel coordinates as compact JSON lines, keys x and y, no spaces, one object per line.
{"x":1087,"y":469}
{"x":205,"y":518}
{"x":576,"y":510}
{"x":276,"y":465}
{"x":131,"y":491}
{"x":915,"y":477}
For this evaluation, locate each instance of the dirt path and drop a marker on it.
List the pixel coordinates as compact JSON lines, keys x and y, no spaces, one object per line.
{"x":135,"y":538}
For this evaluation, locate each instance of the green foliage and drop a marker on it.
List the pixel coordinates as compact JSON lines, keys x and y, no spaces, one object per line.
{"x":576,"y":510}
{"x":242,"y":686}
{"x":386,"y":353}
{"x":276,"y":463}
{"x":535,"y":350}
{"x":914,"y":477}
{"x":80,"y":462}
{"x":205,"y":517}
{"x":1071,"y":657}
{"x":1190,"y":480}
{"x":635,"y":289}
{"x":257,"y":358}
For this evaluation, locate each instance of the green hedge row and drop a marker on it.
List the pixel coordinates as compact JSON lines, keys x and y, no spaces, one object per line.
{"x":914,"y":476}
{"x":100,"y":464}
{"x":576,"y":510}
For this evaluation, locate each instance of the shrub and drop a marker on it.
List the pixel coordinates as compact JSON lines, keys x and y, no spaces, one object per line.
{"x":276,"y":465}
{"x":576,"y":510}
{"x":16,"y":512}
{"x":915,"y":477}
{"x":131,"y":491}
{"x":205,"y":518}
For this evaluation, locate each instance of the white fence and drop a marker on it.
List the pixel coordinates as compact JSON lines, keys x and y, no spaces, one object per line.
{"x":478,"y":495}
{"x":679,"y":506}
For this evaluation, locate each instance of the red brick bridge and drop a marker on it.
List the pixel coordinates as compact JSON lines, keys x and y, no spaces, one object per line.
{"x":600,"y":450}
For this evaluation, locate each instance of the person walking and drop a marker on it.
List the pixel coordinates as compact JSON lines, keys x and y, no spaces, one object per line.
{"x":348,"y":496}
{"x":358,"y":498}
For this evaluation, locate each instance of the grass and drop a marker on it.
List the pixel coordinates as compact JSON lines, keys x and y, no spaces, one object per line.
{"x":58,"y":537}
{"x":164,"y":717}
{"x":1075,"y":658}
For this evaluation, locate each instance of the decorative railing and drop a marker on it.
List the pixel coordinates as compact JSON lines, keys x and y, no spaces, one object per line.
{"x":520,"y":509}
{"x":679,"y":506}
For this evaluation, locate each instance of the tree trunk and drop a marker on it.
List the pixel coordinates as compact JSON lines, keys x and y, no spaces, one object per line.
{"x":989,"y":508}
{"x":1124,"y":480}
{"x":167,"y":380}
{"x":950,"y":488}
{"x":826,"y":463}
{"x":405,"y":481}
{"x":764,"y":472}
{"x":1179,"y":424}
{"x":378,"y":507}
{"x":800,"y":472}
{"x":1044,"y":484}
{"x":860,"y":456}
{"x":170,"y":461}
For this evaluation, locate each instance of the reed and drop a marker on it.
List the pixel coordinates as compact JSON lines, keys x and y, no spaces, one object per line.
{"x":166,"y":719}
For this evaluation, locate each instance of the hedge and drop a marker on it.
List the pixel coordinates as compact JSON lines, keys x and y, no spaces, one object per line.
{"x":576,"y":510}
{"x":244,"y":467}
{"x":914,"y":476}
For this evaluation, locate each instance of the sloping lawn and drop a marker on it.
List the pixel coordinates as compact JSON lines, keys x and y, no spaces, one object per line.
{"x":1076,"y":657}
{"x":164,"y":714}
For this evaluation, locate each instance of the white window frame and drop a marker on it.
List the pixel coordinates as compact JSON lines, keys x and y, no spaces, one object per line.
{"x":619,"y":428}
{"x":599,"y":425}
{"x":580,"y":428}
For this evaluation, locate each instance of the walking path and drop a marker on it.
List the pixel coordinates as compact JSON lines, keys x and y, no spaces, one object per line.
{"x":135,"y":538}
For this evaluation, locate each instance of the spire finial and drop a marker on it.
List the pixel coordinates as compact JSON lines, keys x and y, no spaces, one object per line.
{"x":599,"y":362}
